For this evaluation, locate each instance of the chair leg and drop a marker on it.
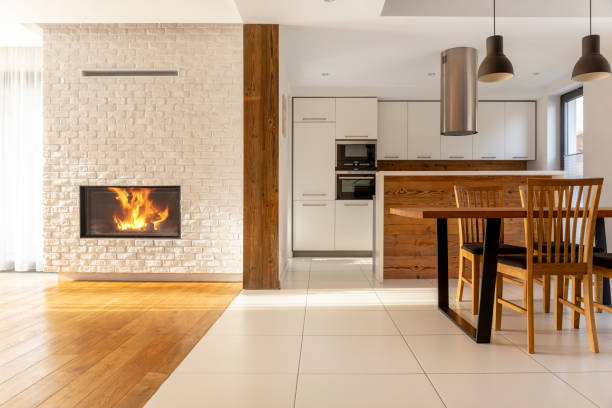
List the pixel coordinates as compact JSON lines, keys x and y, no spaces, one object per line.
{"x":598,"y":291}
{"x":546,"y":293}
{"x":525,"y":295}
{"x":499,"y":293}
{"x":565,"y":287}
{"x":558,"y":305}
{"x":576,"y":289}
{"x":460,"y":283}
{"x":475,"y":284}
{"x":589,"y":313}
{"x":530,"y":328}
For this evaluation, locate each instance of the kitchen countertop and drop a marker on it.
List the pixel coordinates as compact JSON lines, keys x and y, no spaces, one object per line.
{"x":558,"y":173}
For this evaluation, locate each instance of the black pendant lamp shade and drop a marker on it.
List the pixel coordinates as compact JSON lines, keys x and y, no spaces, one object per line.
{"x":592,"y":65}
{"x":496,"y":67}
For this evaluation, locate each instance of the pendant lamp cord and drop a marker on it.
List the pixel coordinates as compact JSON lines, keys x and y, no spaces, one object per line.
{"x":590,"y":17}
{"x":494,"y":17}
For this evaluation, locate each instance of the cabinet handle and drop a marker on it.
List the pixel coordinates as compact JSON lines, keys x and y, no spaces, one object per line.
{"x":314,"y":205}
{"x":356,"y":178}
{"x":488,"y":157}
{"x":391,"y":157}
{"x":355,"y":137}
{"x":423,"y":157}
{"x":355,"y":205}
{"x":314,"y":118}
{"x":314,"y":194}
{"x":519,"y":157}
{"x":456,"y":157}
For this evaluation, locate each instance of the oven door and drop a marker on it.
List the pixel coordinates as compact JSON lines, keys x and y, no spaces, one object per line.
{"x":355,"y":155}
{"x":355,"y":186}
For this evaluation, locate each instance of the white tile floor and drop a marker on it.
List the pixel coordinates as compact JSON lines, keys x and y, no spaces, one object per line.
{"x":334,"y":337}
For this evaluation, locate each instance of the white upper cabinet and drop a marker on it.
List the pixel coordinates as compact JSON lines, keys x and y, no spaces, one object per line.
{"x":392,"y":131}
{"x":313,"y":161}
{"x":314,"y":109}
{"x":520,"y":130}
{"x":489,"y":141}
{"x":456,"y":147}
{"x":356,"y":118}
{"x":423,"y":130}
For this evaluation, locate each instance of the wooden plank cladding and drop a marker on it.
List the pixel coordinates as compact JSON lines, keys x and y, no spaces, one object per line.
{"x":410,"y":244}
{"x":260,"y":257}
{"x":451,"y":165}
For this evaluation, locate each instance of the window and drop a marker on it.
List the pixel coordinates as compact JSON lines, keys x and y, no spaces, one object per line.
{"x":572,"y":135}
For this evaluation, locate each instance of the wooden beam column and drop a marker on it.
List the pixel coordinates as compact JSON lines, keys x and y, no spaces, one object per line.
{"x":261,"y":116}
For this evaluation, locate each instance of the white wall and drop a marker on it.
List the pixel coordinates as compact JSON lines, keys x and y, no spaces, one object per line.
{"x":285,"y":163}
{"x":598,"y":138}
{"x":547,"y":134}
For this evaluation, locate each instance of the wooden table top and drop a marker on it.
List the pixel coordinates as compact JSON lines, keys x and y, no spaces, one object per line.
{"x":491,"y":212}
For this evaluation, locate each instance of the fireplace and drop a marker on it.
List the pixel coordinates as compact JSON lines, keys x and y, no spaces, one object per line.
{"x":130,"y":212}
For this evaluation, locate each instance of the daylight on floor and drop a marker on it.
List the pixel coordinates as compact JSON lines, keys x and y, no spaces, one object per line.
{"x":305,"y":204}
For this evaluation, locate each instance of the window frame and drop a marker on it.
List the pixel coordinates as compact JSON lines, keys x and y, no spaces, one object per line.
{"x":565,"y":98}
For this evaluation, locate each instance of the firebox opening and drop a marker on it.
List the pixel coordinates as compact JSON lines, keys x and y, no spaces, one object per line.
{"x":130,"y":212}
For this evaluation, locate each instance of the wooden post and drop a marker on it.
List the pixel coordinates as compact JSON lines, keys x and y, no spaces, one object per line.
{"x":261,"y":116}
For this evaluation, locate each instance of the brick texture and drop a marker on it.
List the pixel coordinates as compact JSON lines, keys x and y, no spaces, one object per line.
{"x":184,"y":130}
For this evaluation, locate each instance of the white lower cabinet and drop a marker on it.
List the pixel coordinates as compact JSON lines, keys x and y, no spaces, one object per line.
{"x":313,"y":225}
{"x":354,"y":225}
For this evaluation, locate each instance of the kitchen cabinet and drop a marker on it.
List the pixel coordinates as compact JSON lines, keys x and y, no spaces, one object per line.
{"x":392,"y":131}
{"x":488,"y":143}
{"x":520,"y":130}
{"x":354,"y":225}
{"x":313,"y":161}
{"x":313,"y":225}
{"x":314,"y":109}
{"x":424,"y":130}
{"x":356,"y":118}
{"x":456,"y":147}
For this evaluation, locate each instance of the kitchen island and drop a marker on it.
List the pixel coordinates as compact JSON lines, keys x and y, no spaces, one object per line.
{"x":406,"y":248}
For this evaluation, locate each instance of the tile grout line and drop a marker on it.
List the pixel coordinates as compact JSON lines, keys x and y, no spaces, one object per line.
{"x":411,"y":351}
{"x":550,"y":371}
{"x":297,"y":376}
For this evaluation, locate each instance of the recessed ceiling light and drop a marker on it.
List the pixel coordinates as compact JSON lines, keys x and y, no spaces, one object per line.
{"x":324,"y":74}
{"x":431,"y":74}
{"x":536,"y":73}
{"x":329,"y":1}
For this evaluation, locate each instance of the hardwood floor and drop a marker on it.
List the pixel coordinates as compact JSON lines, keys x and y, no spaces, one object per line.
{"x":98,"y":344}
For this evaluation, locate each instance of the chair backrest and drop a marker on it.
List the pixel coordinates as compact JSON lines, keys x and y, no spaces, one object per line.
{"x":471,"y":230}
{"x":567,"y":236}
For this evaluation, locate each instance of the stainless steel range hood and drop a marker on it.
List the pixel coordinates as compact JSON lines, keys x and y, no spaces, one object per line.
{"x":458,"y":91}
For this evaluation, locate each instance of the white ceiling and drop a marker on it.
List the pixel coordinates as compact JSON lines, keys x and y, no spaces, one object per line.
{"x":364,"y":51}
{"x":119,"y":11}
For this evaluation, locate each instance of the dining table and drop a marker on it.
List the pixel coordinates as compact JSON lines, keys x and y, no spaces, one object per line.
{"x":481,"y":333}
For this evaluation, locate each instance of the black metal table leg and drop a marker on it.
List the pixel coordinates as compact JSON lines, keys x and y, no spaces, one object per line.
{"x":600,"y":242}
{"x":489,"y":273}
{"x":482,"y":334}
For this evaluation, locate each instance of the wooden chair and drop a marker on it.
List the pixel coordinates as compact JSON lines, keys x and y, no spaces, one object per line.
{"x":545,"y":280}
{"x":471,"y":236}
{"x":563,"y":251}
{"x":602,"y":268}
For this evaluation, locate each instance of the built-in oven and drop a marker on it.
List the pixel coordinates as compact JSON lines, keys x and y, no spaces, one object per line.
{"x":352,"y":185}
{"x":357,"y":155}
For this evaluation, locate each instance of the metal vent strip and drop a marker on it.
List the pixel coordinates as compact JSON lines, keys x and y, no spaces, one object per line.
{"x":123,"y":72}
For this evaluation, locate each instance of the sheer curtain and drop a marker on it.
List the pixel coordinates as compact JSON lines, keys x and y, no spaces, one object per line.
{"x":21,"y":158}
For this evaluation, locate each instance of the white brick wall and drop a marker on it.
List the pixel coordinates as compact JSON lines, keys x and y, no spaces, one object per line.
{"x":184,"y":130}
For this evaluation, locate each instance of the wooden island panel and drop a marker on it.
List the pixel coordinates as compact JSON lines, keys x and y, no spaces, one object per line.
{"x":410,"y":244}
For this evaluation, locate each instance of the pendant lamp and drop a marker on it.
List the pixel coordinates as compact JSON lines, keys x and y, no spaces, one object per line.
{"x":591,"y":66}
{"x":496,"y":67}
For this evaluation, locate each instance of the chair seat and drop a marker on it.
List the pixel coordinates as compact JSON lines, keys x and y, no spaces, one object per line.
{"x":477,"y":248}
{"x":603,"y":260}
{"x":520,"y":261}
{"x":545,"y":248}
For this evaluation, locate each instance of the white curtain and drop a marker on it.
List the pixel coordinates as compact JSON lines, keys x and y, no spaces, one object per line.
{"x":21,"y":158}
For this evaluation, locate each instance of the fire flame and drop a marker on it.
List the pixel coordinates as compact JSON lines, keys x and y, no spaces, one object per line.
{"x":138,"y":212}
